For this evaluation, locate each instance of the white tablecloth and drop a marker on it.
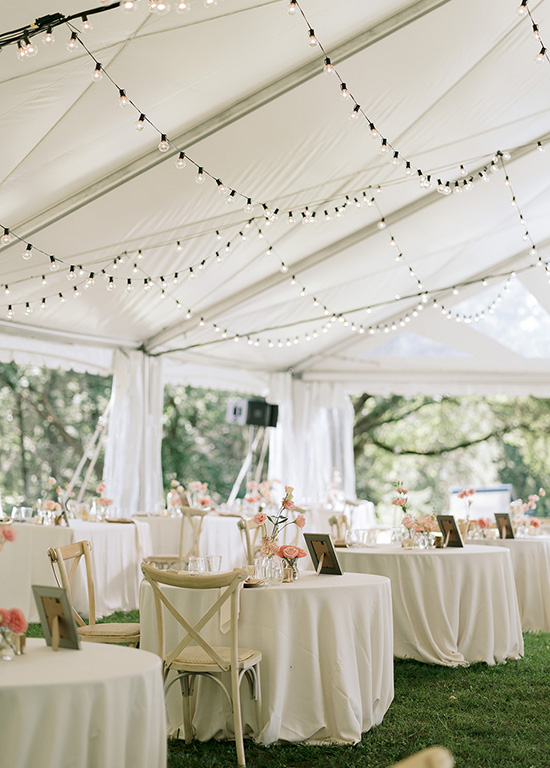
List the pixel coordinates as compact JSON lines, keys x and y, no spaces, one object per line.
{"x":531,"y":564}
{"x":219,"y":536}
{"x":450,"y":606}
{"x":100,"y":707}
{"x":117,"y":551}
{"x":327,"y":667}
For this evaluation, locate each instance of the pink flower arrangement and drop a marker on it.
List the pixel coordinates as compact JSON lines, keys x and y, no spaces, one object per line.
{"x":14,"y":620}
{"x":421,"y":524}
{"x":198,"y":494}
{"x":535,"y":522}
{"x":101,"y":500}
{"x":401,"y":499}
{"x":270,"y":544}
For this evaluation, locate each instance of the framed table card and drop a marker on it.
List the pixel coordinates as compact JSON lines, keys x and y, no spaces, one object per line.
{"x":504,"y":525}
{"x":56,"y":617}
{"x":450,"y":531}
{"x":323,"y":556}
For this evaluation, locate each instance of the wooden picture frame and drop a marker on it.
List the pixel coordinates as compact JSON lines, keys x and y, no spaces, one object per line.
{"x":56,"y":617}
{"x":504,"y":525}
{"x":450,"y":530}
{"x":322,"y":553}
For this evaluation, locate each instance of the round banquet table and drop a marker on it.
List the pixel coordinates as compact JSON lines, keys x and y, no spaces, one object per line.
{"x":117,"y":551}
{"x":99,"y":707}
{"x":531,"y":564}
{"x":327,"y":666}
{"x":451,"y":606}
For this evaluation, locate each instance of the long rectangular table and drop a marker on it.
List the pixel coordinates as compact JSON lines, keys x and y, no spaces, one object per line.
{"x":327,"y":666}
{"x":117,"y":551}
{"x":450,"y":606}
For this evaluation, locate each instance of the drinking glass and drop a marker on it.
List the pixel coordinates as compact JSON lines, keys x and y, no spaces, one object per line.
{"x":196,"y":565}
{"x":259,"y":572}
{"x":273,"y":569}
{"x":213,"y":563}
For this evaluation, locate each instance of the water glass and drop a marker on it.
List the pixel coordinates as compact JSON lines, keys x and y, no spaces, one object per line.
{"x":259,"y":572}
{"x":196,"y":565}
{"x":213,"y":563}
{"x":273,"y":569}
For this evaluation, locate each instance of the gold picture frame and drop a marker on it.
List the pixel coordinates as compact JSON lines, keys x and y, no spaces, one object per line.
{"x":56,"y":617}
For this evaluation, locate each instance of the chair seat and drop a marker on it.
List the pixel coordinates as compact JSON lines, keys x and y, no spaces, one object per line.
{"x":109,"y":633}
{"x":195,"y":658}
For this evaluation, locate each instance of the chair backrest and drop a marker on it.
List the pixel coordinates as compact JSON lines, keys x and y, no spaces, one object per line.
{"x":251,"y":533}
{"x":192,"y":518}
{"x":75,"y":552}
{"x":230,"y":584}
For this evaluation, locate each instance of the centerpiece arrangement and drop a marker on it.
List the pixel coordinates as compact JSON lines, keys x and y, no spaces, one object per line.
{"x":195,"y":495}
{"x":522,"y":514}
{"x":417,"y":529}
{"x":13,"y":623}
{"x":276,"y":524}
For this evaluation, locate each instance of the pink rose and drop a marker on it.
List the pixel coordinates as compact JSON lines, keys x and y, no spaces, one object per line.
{"x":542,"y":492}
{"x":105,"y":502}
{"x":399,"y":502}
{"x":407,"y":521}
{"x":174,"y":483}
{"x":300,"y":521}
{"x":534,"y":522}
{"x":17,"y":621}
{"x":100,"y":488}
{"x":471,"y":491}
{"x":482,"y":523}
{"x":8,"y":532}
{"x":462,"y":494}
{"x":269,"y":548}
{"x":288,"y":503}
{"x":260,"y":518}
{"x":290,"y":552}
{"x":252,"y":485}
{"x":51,"y":481}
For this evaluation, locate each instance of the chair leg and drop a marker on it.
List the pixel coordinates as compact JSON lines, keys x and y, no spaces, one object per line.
{"x":258,"y":700}
{"x":186,"y":691}
{"x":237,"y":716}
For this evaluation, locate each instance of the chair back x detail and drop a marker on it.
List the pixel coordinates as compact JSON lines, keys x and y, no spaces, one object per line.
{"x":192,"y":654}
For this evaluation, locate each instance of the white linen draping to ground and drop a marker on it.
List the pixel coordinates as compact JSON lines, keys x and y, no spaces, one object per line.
{"x":100,"y":706}
{"x":327,"y":667}
{"x":450,"y":606}
{"x":117,"y":551}
{"x":219,"y":536}
{"x":531,"y":564}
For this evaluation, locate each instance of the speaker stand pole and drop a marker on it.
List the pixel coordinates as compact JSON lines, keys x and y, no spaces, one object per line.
{"x":246,"y":464}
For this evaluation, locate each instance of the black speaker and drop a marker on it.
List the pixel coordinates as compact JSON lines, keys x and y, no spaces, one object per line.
{"x":255,"y":412}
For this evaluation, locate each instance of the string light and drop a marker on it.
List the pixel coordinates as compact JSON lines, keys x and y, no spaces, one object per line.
{"x":72,"y":45}
{"x":97,"y":74}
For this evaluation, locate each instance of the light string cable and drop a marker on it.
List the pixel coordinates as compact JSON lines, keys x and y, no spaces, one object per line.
{"x":445,"y":186}
{"x":523,"y":10}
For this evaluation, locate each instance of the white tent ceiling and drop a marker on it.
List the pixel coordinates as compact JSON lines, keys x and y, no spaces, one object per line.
{"x":238,"y":88}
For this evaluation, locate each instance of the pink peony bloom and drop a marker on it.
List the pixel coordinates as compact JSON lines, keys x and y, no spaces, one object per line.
{"x":252,"y":485}
{"x":535,"y":522}
{"x":17,"y":621}
{"x":407,"y":521}
{"x":290,"y":552}
{"x":174,"y":483}
{"x":51,"y":481}
{"x":104,"y":502}
{"x":260,"y":518}
{"x":400,"y":502}
{"x":195,"y":485}
{"x":482,"y":523}
{"x":8,"y":533}
{"x":300,"y":521}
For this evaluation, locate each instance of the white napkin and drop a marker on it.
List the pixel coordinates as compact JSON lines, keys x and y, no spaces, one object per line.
{"x":144,"y":542}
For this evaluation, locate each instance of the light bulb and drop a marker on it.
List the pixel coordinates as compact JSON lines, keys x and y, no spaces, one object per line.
{"x":97,"y":73}
{"x":27,"y":253}
{"x":210,"y":3}
{"x":373,"y":131}
{"x":312,"y":39}
{"x":354,"y":114}
{"x":9,"y":313}
{"x":43,"y":304}
{"x":21,"y":50}
{"x":90,"y":281}
{"x":230,"y":198}
{"x":162,"y":7}
{"x":6,"y":237}
{"x":54,"y":266}
{"x":383,"y":146}
{"x":222,"y":189}
{"x":408,"y":169}
{"x":541,"y":55}
{"x":395,"y":158}
{"x":540,"y":146}
{"x":344,"y":93}
{"x":128,"y":5}
{"x":164,"y":145}
{"x":180,"y":162}
{"x":249,"y":207}
{"x":48,"y":38}
{"x":86,"y":25}
{"x":30,"y":49}
{"x":199,"y":178}
{"x":381,"y":224}
{"x":328,"y":68}
{"x":292,"y":7}
{"x":521,"y":10}
{"x":153,"y":6}
{"x":72,"y":45}
{"x":183,"y":6}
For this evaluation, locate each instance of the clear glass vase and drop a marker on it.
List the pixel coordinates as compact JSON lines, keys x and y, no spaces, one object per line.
{"x":7,"y":645}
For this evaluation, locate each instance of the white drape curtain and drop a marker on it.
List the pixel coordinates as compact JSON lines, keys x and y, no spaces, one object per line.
{"x":133,"y":473}
{"x":313,"y":440}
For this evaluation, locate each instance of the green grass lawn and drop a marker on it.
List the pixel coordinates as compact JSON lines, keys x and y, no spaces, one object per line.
{"x":489,"y":717}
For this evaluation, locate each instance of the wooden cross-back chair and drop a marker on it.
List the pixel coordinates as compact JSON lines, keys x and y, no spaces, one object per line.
{"x":192,"y":520}
{"x":119,"y":632}
{"x":193,"y":655}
